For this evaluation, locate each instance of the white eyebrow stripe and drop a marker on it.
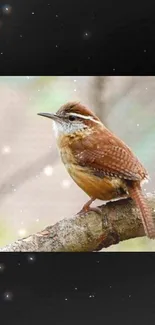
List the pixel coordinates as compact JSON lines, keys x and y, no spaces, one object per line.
{"x":86,"y":117}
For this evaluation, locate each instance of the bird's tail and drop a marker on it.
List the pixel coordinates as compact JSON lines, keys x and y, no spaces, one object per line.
{"x":136,"y":194}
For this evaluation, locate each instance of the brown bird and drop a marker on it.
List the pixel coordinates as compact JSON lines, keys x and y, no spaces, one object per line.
{"x":100,"y":163}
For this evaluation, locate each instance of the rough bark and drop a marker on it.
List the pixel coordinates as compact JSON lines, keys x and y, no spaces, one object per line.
{"x":118,"y":221}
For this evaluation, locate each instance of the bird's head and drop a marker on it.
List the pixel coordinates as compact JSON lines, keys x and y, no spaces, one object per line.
{"x":73,"y":117}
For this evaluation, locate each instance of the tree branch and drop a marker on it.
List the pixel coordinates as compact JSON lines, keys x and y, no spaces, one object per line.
{"x":118,"y":221}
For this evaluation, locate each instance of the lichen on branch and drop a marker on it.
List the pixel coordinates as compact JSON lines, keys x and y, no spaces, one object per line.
{"x":118,"y":221}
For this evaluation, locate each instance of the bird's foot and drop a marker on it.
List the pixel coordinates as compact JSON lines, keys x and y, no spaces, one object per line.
{"x":90,"y":209}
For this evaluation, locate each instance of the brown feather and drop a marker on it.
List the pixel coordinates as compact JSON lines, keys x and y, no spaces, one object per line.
{"x":107,"y":155}
{"x":76,"y":107}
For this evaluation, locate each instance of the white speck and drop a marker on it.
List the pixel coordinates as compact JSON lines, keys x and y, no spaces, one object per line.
{"x":2,"y":267}
{"x":144,"y":189}
{"x":66,"y":183}
{"x":22,"y":223}
{"x":31,"y":258}
{"x":37,"y":220}
{"x":32,"y":12}
{"x":48,"y":170}
{"x":38,"y":89}
{"x":21,"y":210}
{"x":144,"y":50}
{"x":8,"y":296}
{"x":66,"y":299}
{"x":75,"y":288}
{"x":74,"y":89}
{"x":6,"y":150}
{"x":91,"y":296}
{"x":56,"y":16}
{"x":56,"y":45}
{"x":28,"y":77}
{"x":110,"y":287}
{"x":6,"y":8}
{"x":146,"y":88}
{"x":21,"y":35}
{"x":1,"y":53}
{"x":22,"y":232}
{"x":129,"y":296}
{"x":97,"y":261}
{"x":137,"y":124}
{"x":74,"y":80}
{"x":19,"y":263}
{"x":113,"y":69}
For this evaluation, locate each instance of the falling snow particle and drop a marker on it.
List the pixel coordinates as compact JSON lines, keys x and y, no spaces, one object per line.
{"x":31,"y":258}
{"x":74,"y":80}
{"x":113,"y":69}
{"x":75,"y":288}
{"x":1,"y":53}
{"x":56,"y":16}
{"x":21,"y":35}
{"x":22,"y":232}
{"x":146,"y":88}
{"x":144,"y":50}
{"x":74,"y":89}
{"x":66,"y":183}
{"x":2,"y":267}
{"x":32,"y":12}
{"x":66,"y":299}
{"x":86,"y":35}
{"x":137,"y":124}
{"x":6,"y":9}
{"x":6,"y":150}
{"x":48,"y":170}
{"x":8,"y":296}
{"x":37,"y":220}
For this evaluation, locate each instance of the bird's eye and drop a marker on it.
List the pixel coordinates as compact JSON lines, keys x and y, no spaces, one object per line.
{"x":72,"y":118}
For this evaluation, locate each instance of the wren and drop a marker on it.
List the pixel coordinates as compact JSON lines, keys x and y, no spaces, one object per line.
{"x":101,"y":164}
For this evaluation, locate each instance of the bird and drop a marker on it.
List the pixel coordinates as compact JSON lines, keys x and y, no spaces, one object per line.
{"x":98,"y":161}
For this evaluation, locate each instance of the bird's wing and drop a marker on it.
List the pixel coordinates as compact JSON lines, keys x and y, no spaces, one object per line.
{"x":107,"y":155}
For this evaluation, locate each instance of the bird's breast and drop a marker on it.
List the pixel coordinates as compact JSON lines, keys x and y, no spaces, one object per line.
{"x":105,"y":188}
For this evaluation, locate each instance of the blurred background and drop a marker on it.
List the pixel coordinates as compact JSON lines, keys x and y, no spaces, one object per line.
{"x":35,"y":188}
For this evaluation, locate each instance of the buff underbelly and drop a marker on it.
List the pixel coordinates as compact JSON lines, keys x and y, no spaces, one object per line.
{"x":100,"y":188}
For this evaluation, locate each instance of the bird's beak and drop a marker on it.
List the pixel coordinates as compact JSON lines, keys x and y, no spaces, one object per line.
{"x":51,"y":116}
